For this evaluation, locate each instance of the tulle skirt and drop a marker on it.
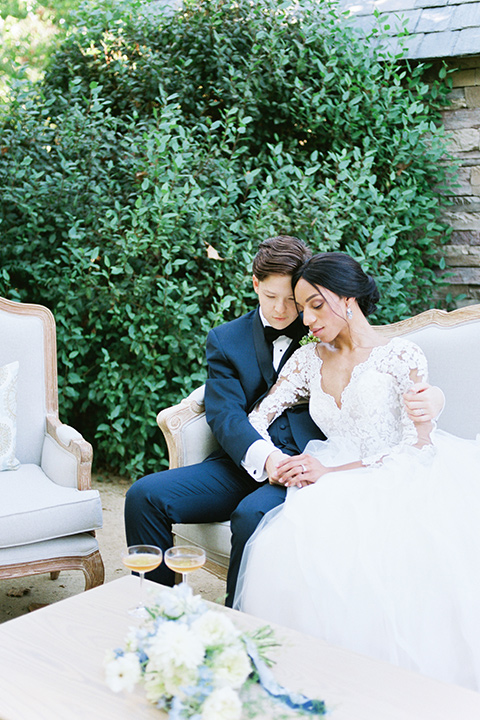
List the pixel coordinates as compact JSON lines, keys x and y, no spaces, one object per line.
{"x":384,"y":561}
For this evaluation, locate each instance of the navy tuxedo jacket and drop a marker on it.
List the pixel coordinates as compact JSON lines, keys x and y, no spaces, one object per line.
{"x":240,"y":373}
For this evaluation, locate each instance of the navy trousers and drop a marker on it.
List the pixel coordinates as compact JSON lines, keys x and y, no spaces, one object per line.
{"x":211,"y":491}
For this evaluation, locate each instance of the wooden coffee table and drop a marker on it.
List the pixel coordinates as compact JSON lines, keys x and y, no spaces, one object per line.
{"x":52,"y":669}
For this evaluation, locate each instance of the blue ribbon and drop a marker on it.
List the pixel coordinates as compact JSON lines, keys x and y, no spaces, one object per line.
{"x":296,"y":701}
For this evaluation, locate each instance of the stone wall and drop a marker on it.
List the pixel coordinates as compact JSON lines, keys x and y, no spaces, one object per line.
{"x":462,"y":120}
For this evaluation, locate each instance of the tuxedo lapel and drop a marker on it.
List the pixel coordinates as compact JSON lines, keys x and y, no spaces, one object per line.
{"x":263,"y":351}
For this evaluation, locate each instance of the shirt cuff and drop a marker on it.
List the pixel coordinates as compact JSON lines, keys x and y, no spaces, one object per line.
{"x":255,"y":458}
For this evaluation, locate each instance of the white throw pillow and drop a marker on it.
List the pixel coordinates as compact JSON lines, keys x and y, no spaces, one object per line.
{"x":8,"y":416}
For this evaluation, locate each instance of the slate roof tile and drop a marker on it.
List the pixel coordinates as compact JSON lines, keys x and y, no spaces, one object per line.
{"x":437,"y":28}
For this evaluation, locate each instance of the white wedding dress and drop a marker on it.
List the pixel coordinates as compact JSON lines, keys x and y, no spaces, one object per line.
{"x":383,"y":560}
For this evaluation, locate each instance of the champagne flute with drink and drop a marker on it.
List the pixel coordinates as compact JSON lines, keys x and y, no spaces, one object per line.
{"x":141,"y":559}
{"x":185,"y":559}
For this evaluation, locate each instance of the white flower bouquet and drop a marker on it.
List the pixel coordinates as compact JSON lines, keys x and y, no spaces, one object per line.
{"x":194,"y":663}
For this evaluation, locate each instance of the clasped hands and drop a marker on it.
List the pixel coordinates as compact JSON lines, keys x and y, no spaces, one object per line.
{"x":299,"y":470}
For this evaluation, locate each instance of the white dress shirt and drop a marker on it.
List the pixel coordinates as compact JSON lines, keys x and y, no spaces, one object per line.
{"x":256,"y":456}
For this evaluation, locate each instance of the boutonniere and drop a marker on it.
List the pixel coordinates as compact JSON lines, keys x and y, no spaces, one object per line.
{"x":310,"y":338}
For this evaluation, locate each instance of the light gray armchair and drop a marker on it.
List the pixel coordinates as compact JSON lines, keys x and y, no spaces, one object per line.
{"x":48,"y":511}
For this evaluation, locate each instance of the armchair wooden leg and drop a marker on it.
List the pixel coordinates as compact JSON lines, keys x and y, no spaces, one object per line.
{"x":93,"y":570}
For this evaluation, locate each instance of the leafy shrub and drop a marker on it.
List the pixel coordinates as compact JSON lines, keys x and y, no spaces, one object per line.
{"x":139,"y":176}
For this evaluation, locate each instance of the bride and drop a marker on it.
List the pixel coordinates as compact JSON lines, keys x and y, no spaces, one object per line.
{"x":377,"y":547}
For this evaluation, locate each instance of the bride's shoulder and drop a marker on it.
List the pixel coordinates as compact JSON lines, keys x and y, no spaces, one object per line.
{"x":305,"y":355}
{"x":402,"y":344}
{"x":308,"y":349}
{"x":405,"y":350}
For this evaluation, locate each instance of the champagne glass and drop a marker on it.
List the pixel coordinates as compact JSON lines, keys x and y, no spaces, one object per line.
{"x":141,"y":559}
{"x":184,"y":559}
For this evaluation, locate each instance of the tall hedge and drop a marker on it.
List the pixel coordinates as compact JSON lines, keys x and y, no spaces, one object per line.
{"x":139,"y":176}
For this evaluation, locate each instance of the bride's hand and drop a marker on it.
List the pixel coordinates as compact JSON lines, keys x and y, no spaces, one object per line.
{"x":300,"y":470}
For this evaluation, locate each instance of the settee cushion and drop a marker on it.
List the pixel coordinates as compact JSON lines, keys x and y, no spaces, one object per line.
{"x":8,"y":416}
{"x":34,"y":508}
{"x":214,"y":537}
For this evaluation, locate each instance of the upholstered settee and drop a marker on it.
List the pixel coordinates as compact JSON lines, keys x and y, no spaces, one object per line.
{"x":451,"y":342}
{"x":48,"y":511}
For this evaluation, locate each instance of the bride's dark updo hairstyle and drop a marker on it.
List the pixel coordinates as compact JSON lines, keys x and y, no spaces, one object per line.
{"x":342,"y":275}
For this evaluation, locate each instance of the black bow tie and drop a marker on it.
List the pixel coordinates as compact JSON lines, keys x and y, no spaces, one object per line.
{"x":272,"y":334}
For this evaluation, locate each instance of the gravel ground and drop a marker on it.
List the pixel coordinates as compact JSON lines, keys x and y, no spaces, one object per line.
{"x":23,"y":595}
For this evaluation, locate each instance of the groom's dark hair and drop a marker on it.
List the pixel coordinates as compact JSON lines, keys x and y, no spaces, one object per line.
{"x":280,"y":255}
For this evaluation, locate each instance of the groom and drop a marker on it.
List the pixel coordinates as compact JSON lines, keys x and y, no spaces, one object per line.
{"x":244,"y":357}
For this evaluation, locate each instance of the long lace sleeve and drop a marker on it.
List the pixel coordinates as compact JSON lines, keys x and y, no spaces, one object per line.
{"x":292,"y":387}
{"x":407,"y":364}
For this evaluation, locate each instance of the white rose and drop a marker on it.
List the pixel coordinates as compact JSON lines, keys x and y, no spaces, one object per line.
{"x":215,"y":629}
{"x":170,"y":604}
{"x":178,"y":601}
{"x":222,"y":704}
{"x":175,"y":644}
{"x":231,"y":667}
{"x":154,"y":684}
{"x":122,"y":672}
{"x":194,"y":605}
{"x":162,"y":682}
{"x":133,"y":639}
{"x":178,"y":679}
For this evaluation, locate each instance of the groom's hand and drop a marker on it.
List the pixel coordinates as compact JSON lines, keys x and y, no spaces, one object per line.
{"x":300,"y":470}
{"x":271,"y":464}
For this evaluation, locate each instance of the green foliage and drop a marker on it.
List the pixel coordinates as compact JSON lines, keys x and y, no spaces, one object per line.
{"x":138,"y":178}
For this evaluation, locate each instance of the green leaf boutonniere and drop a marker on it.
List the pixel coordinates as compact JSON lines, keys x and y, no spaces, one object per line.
{"x":309,"y":339}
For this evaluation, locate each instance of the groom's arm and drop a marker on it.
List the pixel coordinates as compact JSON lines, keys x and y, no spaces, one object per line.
{"x":226,"y":403}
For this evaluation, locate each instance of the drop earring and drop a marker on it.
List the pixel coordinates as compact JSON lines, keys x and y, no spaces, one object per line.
{"x":349,"y":313}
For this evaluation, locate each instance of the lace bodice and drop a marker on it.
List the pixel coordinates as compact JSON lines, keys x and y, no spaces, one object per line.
{"x":371,"y":418}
